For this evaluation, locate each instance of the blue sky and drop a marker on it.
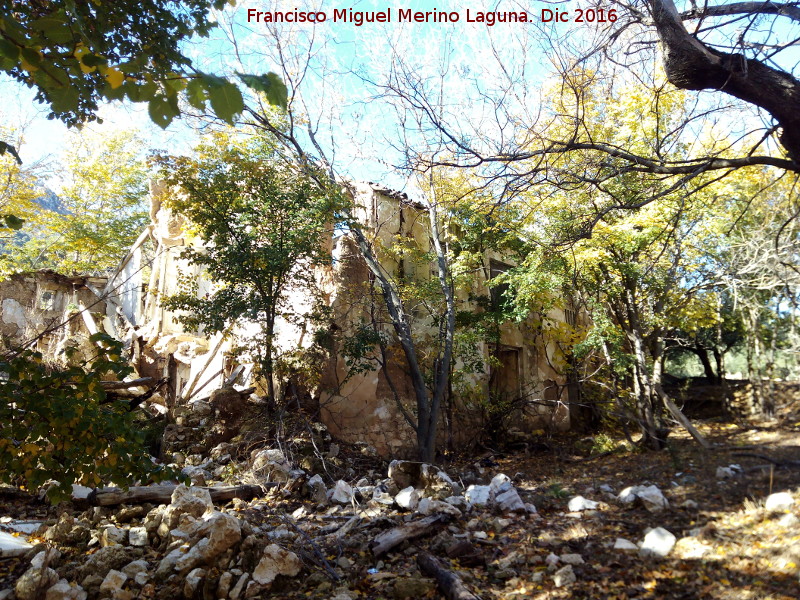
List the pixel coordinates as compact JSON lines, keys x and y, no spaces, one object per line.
{"x":334,"y":86}
{"x":363,"y":131}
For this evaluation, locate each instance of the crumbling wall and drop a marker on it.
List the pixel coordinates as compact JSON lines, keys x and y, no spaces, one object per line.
{"x":35,"y":305}
{"x":356,"y":407}
{"x":364,"y":407}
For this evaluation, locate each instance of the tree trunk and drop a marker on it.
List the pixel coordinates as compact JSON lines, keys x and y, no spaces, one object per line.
{"x":702,"y":354}
{"x":691,"y":65}
{"x":654,"y":434}
{"x":444,"y":362}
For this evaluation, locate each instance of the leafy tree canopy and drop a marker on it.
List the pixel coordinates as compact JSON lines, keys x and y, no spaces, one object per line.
{"x":57,"y":424}
{"x":264,"y":222}
{"x":101,"y":208}
{"x":79,"y":53}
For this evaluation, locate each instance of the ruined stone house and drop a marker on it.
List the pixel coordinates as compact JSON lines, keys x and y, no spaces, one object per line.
{"x":357,"y":407}
{"x":55,"y":308}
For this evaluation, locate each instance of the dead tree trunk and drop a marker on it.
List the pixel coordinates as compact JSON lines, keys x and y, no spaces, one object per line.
{"x":449,"y":583}
{"x":162,"y":494}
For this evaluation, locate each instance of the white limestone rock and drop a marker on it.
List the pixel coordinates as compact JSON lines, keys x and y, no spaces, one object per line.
{"x":382,"y":496}
{"x":317,"y":489}
{"x":579,"y":503}
{"x":20,"y":526}
{"x":112,"y":535}
{"x":342,"y":493}
{"x":11,"y":546}
{"x":729,"y":472}
{"x":272,"y":465}
{"x":564,"y":576}
{"x":167,"y":564}
{"x":624,"y":545}
{"x":132,"y":569}
{"x":276,"y":561}
{"x":47,"y":556}
{"x":137,"y":536}
{"x":237,"y":590}
{"x":224,"y":584}
{"x":652,"y":498}
{"x":779,"y":501}
{"x":407,"y":498}
{"x":219,"y":531}
{"x":657,"y":542}
{"x":506,"y":497}
{"x":428,"y":506}
{"x":460,"y":502}
{"x":197,"y":475}
{"x":34,"y":580}
{"x":192,"y":582}
{"x":572,"y":559}
{"x":113,"y":582}
{"x":479,"y":495}
{"x":193,"y":501}
{"x":64,"y":590}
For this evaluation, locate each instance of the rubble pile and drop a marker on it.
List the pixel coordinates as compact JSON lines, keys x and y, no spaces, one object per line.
{"x":406,"y":530}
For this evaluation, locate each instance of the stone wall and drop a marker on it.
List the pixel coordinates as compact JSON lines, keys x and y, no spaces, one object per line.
{"x":36,"y":303}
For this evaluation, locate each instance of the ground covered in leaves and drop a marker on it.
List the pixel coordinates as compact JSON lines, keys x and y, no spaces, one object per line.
{"x":729,"y":545}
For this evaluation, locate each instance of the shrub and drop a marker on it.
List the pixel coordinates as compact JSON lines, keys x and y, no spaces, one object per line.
{"x":58,"y":424}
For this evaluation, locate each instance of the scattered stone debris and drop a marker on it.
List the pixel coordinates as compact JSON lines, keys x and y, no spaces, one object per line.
{"x":327,"y":532}
{"x":657,"y":542}
{"x":624,"y":545}
{"x":729,"y":472}
{"x":579,"y":503}
{"x":650,"y":496}
{"x":564,"y":576}
{"x":779,"y":501}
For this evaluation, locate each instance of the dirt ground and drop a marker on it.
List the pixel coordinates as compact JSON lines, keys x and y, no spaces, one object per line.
{"x":729,"y":546}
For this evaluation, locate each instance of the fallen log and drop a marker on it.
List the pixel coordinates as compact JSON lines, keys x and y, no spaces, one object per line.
{"x":122,"y":385}
{"x":681,"y":418}
{"x":449,"y":583}
{"x":162,"y":494}
{"x":397,"y":535}
{"x":776,"y":462}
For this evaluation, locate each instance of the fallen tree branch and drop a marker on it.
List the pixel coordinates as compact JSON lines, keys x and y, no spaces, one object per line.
{"x":121,"y":385}
{"x":407,"y":531}
{"x":449,"y":583}
{"x":162,"y":494}
{"x":776,"y":462}
{"x":319,"y":555}
{"x":681,"y":418}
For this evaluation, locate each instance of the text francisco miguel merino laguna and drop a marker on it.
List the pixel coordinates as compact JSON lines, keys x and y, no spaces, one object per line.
{"x":389,"y":15}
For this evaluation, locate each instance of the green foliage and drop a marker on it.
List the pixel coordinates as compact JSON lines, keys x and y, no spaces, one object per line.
{"x":18,"y":186}
{"x":358,"y":349}
{"x":79,"y":54}
{"x":603,"y":443}
{"x":56,"y":423}
{"x":102,"y":209}
{"x":556,"y":490}
{"x":263,"y":223}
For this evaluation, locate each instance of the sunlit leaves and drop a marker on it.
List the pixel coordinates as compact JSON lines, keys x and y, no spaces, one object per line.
{"x":99,"y":212}
{"x":263,"y":223}
{"x":270,"y":85}
{"x":57,"y":424}
{"x":226,"y":99}
{"x":77,"y":55}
